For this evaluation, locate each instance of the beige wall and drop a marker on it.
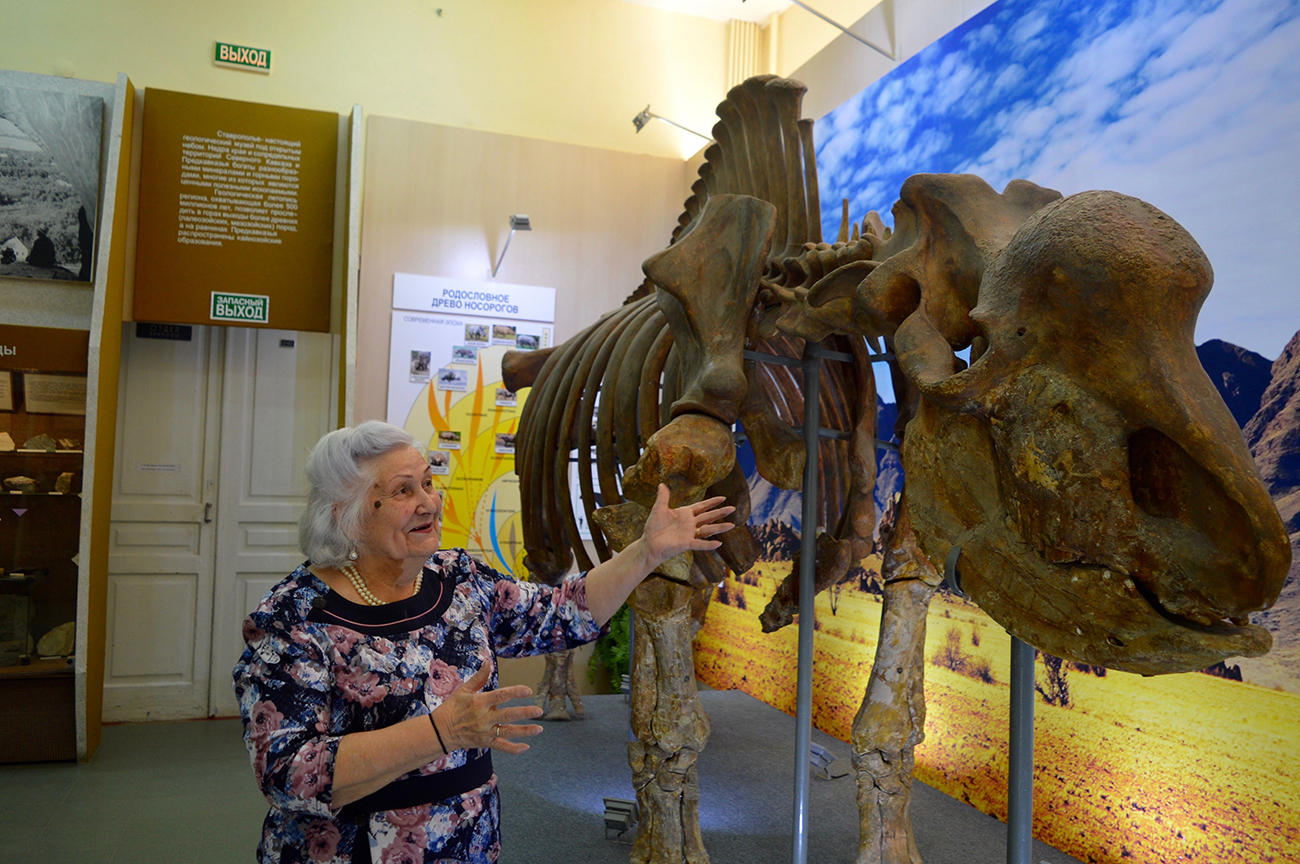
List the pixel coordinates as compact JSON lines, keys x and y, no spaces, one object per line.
{"x":437,"y":201}
{"x":561,"y":70}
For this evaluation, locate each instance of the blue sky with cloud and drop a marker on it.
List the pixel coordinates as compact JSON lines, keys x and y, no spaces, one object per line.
{"x":1192,"y":106}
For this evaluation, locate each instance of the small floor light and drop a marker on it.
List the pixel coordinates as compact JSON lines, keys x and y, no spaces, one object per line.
{"x":620,"y":815}
{"x":518,"y":222}
{"x":820,"y":759}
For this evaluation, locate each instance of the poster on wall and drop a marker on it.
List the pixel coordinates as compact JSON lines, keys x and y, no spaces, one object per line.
{"x":236,"y":213}
{"x":1194,"y":108}
{"x":49,"y":183}
{"x":448,"y":338}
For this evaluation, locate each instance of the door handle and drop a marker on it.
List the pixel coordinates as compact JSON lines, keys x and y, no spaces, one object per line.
{"x":207,"y":513}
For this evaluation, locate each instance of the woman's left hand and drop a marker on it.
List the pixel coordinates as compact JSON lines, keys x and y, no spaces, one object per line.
{"x":670,"y":531}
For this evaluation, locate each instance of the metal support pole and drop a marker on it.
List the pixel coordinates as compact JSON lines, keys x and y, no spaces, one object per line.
{"x":1020,"y":777}
{"x":807,"y":574}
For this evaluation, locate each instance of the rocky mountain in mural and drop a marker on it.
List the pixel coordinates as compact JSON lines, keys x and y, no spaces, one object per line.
{"x":777,"y":540}
{"x":1240,"y":375}
{"x":1274,"y":434}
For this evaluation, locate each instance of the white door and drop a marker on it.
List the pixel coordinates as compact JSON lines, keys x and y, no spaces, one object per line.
{"x":162,"y":546}
{"x":213,"y":436}
{"x":279,"y":398}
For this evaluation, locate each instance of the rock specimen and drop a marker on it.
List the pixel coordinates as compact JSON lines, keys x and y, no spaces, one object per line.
{"x":59,"y":642}
{"x":41,"y":442}
{"x":69,"y":444}
{"x":63,"y":484}
{"x":6,"y":442}
{"x":20,"y":484}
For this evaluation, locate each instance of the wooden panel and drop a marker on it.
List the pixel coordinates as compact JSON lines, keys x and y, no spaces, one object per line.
{"x":49,"y":349}
{"x":37,"y":719}
{"x":166,"y":534}
{"x":190,"y":240}
{"x":153,"y":626}
{"x":437,"y":200}
{"x":157,"y":456}
{"x":285,"y":537}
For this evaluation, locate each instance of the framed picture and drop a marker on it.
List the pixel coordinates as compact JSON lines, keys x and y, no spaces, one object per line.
{"x":6,"y":390}
{"x":50,"y":185}
{"x":453,"y":379}
{"x":54,"y":394}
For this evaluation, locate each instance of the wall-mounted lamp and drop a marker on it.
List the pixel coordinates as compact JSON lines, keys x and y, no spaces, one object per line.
{"x":518,"y":222}
{"x":841,"y":28}
{"x":643,"y":119}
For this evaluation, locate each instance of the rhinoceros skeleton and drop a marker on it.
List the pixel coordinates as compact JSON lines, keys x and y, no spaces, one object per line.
{"x":1106,"y":507}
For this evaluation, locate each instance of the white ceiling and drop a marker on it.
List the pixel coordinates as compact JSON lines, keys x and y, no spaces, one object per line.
{"x":756,"y":11}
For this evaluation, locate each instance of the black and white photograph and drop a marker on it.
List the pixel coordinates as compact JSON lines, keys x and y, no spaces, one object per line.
{"x":448,"y":440}
{"x":464,"y":354}
{"x":477,"y":333}
{"x":453,"y":379}
{"x":506,"y":398}
{"x":49,"y":183}
{"x":420,"y":365}
{"x":439,"y":462}
{"x":504,"y":334}
{"x":505,"y":442}
{"x":527,"y":342}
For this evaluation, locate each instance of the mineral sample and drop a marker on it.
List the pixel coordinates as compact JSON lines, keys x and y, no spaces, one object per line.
{"x":6,"y":443}
{"x":63,"y":484}
{"x":59,"y":642}
{"x":69,"y":444}
{"x":41,"y":442}
{"x":20,"y":484}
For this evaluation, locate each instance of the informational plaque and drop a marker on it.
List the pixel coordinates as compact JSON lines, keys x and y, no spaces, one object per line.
{"x":236,"y":201}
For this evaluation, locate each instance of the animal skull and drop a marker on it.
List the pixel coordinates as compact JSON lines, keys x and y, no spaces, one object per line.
{"x":1103,"y":498}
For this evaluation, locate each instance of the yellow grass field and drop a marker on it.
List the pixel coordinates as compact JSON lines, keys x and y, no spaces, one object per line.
{"x":1173,"y":768}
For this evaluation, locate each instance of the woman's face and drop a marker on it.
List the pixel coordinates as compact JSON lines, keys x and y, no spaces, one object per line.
{"x":402,"y":518}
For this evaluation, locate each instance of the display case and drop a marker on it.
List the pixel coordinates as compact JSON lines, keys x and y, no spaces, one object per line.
{"x":42,"y":434}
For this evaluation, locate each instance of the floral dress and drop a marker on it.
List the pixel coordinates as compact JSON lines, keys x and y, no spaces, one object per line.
{"x":319,"y":667}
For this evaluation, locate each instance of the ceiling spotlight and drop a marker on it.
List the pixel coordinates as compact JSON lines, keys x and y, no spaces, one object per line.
{"x":518,"y":222}
{"x":643,"y":119}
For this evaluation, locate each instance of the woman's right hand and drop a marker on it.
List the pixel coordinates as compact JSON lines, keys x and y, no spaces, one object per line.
{"x":471,"y":718}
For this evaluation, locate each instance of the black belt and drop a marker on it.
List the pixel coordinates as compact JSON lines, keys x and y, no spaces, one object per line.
{"x":413,"y":792}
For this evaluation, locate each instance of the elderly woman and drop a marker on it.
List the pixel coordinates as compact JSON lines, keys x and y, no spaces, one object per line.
{"x":368,"y":689}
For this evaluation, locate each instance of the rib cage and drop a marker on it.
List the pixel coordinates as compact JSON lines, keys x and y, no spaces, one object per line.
{"x":627,"y":358}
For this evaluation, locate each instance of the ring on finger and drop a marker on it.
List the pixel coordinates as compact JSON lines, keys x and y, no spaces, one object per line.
{"x":496,"y":730}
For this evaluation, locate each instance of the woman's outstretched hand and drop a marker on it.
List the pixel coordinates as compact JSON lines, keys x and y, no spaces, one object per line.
{"x":471,"y":718}
{"x":669,"y":531}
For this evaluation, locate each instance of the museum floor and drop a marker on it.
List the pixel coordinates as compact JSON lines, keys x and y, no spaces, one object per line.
{"x":183,"y":793}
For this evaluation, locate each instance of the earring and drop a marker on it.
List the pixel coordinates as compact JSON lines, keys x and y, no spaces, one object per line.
{"x":352,"y":556}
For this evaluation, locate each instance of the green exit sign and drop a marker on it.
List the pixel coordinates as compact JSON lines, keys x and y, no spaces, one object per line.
{"x":241,"y":308}
{"x":242,"y":57}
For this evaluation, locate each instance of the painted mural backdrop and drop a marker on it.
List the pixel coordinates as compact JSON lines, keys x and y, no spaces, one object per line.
{"x":1194,"y":107}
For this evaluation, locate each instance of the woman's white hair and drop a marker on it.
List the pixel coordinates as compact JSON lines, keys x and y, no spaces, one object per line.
{"x":339,"y":471}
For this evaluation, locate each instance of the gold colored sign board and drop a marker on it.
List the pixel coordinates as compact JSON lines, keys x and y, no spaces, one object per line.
{"x":236,"y":199}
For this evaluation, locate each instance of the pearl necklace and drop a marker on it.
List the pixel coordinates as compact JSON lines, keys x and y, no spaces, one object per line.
{"x":363,"y":590}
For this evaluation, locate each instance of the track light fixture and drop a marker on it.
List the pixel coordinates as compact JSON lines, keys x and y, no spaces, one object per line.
{"x":518,"y":222}
{"x":841,"y":28}
{"x":643,"y":119}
